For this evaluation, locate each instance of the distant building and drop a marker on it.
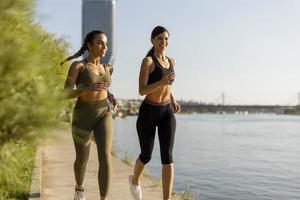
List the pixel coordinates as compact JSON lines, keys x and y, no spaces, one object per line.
{"x":100,"y":15}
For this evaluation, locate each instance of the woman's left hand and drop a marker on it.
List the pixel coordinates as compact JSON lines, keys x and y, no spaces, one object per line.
{"x":176,"y":106}
{"x":113,"y":101}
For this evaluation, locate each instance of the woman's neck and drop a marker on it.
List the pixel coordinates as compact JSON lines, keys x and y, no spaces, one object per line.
{"x":93,"y":59}
{"x":160,"y":54}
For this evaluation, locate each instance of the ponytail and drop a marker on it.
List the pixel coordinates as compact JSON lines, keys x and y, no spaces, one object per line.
{"x":76,"y":55}
{"x":89,"y":38}
{"x":150,"y":52}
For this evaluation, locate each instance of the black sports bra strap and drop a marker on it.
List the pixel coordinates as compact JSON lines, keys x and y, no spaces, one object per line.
{"x":157,"y":63}
{"x":171,"y":63}
{"x":154,"y":60}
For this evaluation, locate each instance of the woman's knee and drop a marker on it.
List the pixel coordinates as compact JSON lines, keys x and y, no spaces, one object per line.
{"x":105,"y":157}
{"x":167,"y":159}
{"x":82,"y":155}
{"x":144,"y":158}
{"x":81,"y":161}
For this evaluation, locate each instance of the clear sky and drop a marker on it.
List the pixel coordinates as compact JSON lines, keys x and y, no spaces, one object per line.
{"x":247,"y":49}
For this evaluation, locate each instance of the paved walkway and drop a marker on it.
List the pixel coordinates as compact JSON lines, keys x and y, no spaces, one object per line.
{"x":58,"y":179}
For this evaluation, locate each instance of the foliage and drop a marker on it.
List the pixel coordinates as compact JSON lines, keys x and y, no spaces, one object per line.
{"x":293,"y":111}
{"x":16,"y":169}
{"x":30,"y":88}
{"x":186,"y":195}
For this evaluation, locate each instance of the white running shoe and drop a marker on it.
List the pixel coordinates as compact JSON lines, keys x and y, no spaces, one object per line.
{"x":135,"y":190}
{"x":79,"y":195}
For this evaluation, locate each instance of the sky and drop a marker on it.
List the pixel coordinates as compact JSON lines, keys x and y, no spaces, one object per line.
{"x":247,"y":50}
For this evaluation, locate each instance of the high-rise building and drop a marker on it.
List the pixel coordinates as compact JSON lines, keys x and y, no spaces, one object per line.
{"x":100,"y":15}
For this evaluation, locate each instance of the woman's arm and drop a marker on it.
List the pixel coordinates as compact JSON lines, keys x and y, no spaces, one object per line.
{"x":174,"y":103}
{"x":73,"y":73}
{"x":110,"y":68}
{"x":145,"y":70}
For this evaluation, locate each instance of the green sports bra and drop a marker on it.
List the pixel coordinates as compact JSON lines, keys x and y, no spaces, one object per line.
{"x":88,"y":77}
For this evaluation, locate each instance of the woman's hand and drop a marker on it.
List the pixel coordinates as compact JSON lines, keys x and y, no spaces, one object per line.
{"x":113,"y":101}
{"x":98,"y":86}
{"x":176,"y":106}
{"x":168,"y":78}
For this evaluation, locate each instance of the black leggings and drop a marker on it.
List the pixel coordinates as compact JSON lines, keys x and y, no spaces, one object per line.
{"x":150,"y":117}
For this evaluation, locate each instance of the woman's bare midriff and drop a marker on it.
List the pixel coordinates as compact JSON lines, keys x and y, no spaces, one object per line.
{"x":93,"y":96}
{"x":160,"y":95}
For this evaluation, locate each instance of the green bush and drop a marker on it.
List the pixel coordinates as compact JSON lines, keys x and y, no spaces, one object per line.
{"x":30,"y":88}
{"x":16,"y":169}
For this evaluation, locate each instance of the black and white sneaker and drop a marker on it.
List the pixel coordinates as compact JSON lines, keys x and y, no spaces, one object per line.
{"x":79,"y":195}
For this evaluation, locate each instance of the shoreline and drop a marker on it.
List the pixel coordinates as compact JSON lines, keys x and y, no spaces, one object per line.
{"x":57,"y":177}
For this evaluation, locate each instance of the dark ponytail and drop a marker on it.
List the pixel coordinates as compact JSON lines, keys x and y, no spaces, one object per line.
{"x":155,"y":32}
{"x":89,"y":38}
{"x":150,"y":52}
{"x":76,"y":55}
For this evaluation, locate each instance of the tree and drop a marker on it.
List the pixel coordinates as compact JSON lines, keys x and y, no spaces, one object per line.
{"x":31,"y":82}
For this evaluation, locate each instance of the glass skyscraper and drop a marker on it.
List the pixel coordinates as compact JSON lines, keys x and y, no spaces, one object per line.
{"x":99,"y":15}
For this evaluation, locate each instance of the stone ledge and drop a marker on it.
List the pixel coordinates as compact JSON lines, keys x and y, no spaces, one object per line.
{"x":36,"y":180}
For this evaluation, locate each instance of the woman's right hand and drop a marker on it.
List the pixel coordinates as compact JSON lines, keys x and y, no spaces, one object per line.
{"x":98,"y":86}
{"x":168,"y":79}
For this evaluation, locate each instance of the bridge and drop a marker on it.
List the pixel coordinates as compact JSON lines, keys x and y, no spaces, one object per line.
{"x":223,"y":105}
{"x":210,"y":108}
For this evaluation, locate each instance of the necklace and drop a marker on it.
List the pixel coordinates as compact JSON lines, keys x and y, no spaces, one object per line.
{"x":97,"y":68}
{"x":164,"y":59}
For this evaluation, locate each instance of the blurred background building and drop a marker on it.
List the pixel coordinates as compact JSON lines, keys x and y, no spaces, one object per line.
{"x":100,"y":15}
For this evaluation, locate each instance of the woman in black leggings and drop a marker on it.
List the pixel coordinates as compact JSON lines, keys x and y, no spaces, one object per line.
{"x":157,"y":110}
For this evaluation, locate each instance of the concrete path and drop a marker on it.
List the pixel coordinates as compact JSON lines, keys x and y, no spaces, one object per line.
{"x":58,"y":178}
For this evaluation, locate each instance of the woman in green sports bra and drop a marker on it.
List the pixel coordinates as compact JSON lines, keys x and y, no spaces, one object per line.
{"x":91,"y":113}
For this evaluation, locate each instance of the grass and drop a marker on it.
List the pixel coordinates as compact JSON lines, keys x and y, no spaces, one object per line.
{"x":17,"y":163}
{"x":185,"y":195}
{"x":127,"y":160}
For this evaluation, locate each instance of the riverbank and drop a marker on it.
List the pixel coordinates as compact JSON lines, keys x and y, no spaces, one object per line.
{"x":58,"y":179}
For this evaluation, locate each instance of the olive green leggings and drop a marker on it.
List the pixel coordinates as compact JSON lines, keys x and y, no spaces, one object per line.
{"x":94,"y":118}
